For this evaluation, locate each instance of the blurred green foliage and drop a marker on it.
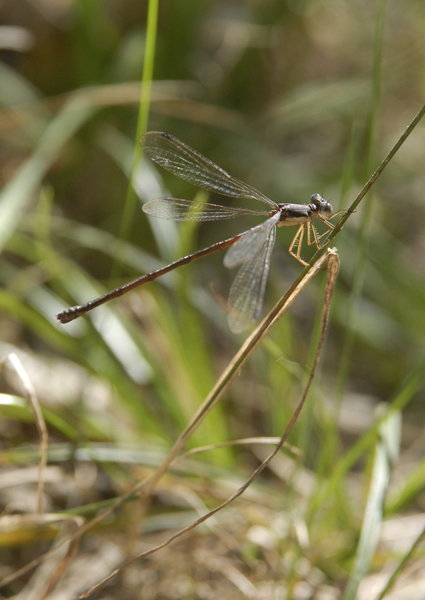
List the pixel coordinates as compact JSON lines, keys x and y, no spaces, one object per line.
{"x":279,"y":93}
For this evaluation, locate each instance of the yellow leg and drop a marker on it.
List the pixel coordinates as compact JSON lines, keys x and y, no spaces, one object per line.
{"x":327,"y":221}
{"x":298,"y":239}
{"x":328,"y":224}
{"x":315,"y":238}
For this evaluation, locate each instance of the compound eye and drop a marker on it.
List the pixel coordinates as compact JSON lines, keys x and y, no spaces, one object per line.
{"x":327,"y":209}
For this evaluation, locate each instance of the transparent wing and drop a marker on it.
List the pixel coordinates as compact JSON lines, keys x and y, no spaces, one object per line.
{"x":188,"y":164}
{"x":247,"y":291}
{"x":176,"y":209}
{"x":249,"y":243}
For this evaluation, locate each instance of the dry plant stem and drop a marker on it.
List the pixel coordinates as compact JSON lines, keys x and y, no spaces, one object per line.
{"x":243,"y":354}
{"x":151,"y":481}
{"x":39,"y":420}
{"x":375,"y":175}
{"x":332,"y":272}
{"x":231,"y":371}
{"x":364,"y":191}
{"x":146,"y":486}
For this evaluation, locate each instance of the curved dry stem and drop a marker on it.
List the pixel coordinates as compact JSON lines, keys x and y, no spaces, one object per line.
{"x":246,"y":350}
{"x":145,"y":487}
{"x":16,"y":364}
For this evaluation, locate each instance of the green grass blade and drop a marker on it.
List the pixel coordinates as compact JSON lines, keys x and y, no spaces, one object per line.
{"x":386,"y":450}
{"x":145,"y":96}
{"x":17,"y":193}
{"x":401,"y":565}
{"x":16,"y":407}
{"x":409,"y":388}
{"x":359,"y":273}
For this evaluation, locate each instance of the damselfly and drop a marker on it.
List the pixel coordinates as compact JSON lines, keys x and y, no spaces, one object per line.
{"x":250,"y":250}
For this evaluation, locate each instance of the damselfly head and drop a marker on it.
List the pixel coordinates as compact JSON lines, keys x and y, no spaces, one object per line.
{"x":322,"y":206}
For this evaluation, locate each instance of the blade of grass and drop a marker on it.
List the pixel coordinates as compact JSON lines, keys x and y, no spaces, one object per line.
{"x":142,"y":122}
{"x":147,"y":184}
{"x":17,"y":193}
{"x":359,"y":272}
{"x":409,"y":388}
{"x":16,"y":407}
{"x":227,"y":377}
{"x":330,"y":419}
{"x":386,"y":450}
{"x":401,"y":566}
{"x":145,"y":487}
{"x":328,"y":454}
{"x":412,"y":486}
{"x":378,"y":171}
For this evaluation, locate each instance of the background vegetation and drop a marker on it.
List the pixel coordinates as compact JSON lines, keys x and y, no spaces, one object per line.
{"x":295,"y":97}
